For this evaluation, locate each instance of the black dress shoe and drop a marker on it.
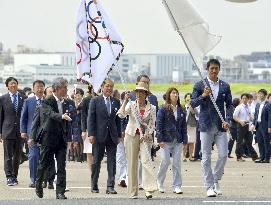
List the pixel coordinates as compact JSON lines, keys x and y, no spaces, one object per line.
{"x":148,"y":195}
{"x":24,"y":158}
{"x":266,"y":161}
{"x":245,"y":156}
{"x":111,"y":190}
{"x":44,"y":184}
{"x":50,"y":185}
{"x":39,"y":192}
{"x":254,"y":158}
{"x":122,"y":184}
{"x":32,"y":185}
{"x":95,"y":191}
{"x":259,"y":161}
{"x":229,"y":156}
{"x":60,"y":196}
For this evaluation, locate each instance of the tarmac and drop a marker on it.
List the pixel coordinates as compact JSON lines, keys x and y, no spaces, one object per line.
{"x":242,"y":183}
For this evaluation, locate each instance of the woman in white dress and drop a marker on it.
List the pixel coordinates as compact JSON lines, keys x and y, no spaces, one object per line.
{"x":84,"y":105}
{"x":191,"y":127}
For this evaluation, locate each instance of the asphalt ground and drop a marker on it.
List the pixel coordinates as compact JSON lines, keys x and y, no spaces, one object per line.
{"x":242,"y":183}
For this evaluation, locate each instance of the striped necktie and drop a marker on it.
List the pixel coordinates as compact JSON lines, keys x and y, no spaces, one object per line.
{"x":15,"y":102}
{"x":108,"y":105}
{"x":39,"y":101}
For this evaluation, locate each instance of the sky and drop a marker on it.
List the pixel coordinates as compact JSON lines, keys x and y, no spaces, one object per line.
{"x":142,"y":24}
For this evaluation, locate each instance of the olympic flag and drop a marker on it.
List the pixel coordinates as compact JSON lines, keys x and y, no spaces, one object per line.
{"x":193,"y":29}
{"x":98,"y":45}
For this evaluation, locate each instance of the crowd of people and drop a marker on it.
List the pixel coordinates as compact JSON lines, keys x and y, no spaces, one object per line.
{"x":129,"y":128}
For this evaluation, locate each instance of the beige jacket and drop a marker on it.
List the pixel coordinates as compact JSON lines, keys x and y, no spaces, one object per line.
{"x":149,"y":117}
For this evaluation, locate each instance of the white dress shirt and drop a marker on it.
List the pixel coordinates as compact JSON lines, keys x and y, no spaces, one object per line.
{"x":252,"y":107}
{"x":242,"y":112}
{"x":59,"y":104}
{"x":11,"y":96}
{"x":174,"y":111}
{"x":260,"y":111}
{"x":214,"y":87}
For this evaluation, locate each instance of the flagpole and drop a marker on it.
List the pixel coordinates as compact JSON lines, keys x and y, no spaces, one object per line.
{"x":199,"y":72}
{"x":124,"y":86}
{"x":201,"y":76}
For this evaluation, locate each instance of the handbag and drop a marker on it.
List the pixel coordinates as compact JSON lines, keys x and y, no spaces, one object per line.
{"x":191,"y":120}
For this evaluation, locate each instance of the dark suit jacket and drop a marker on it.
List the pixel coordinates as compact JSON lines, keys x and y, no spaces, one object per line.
{"x":208,"y":115}
{"x":265,"y":117}
{"x":83,"y":108}
{"x":9,"y":119}
{"x":27,"y":115}
{"x":100,"y":124}
{"x":54,"y":128}
{"x":168,"y":129}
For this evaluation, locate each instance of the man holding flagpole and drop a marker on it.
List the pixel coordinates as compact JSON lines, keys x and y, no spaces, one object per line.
{"x":98,"y":48}
{"x":211,"y":94}
{"x":212,"y":128}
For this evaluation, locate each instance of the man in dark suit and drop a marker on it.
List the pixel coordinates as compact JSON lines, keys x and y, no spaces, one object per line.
{"x":262,"y":123}
{"x":54,"y":130}
{"x":50,"y":172}
{"x":28,"y":111}
{"x":212,"y":128}
{"x":104,"y":131}
{"x":10,"y":111}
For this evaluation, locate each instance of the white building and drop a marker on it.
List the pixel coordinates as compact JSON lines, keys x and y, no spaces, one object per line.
{"x":65,"y":59}
{"x":158,"y":66}
{"x":47,"y":66}
{"x":43,"y":66}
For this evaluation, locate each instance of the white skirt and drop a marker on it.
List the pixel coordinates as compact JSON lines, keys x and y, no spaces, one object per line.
{"x":87,"y":146}
{"x":191,"y":134}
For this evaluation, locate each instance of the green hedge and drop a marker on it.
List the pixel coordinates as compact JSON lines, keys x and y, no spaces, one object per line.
{"x":237,"y":88}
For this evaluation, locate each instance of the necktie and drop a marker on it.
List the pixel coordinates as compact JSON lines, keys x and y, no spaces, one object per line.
{"x":15,"y":102}
{"x":38,"y":102}
{"x":108,"y":105}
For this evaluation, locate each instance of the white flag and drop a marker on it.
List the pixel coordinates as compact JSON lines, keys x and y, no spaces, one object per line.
{"x":194,"y":30}
{"x":98,"y":45}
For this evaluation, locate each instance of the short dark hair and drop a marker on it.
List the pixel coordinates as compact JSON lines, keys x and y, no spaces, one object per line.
{"x":141,"y":76}
{"x":187,"y":95}
{"x":250,"y":96}
{"x":79,"y":91}
{"x":245,"y":94}
{"x":269,"y":95}
{"x":38,"y":82}
{"x":107,"y":81}
{"x":45,"y":91}
{"x":27,"y":89}
{"x":213,"y":61}
{"x":115,"y":92}
{"x":90,"y":88}
{"x":164,"y":97}
{"x":10,"y":79}
{"x":235,"y":102}
{"x":21,"y":92}
{"x":263,"y":91}
{"x":122,"y":95}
